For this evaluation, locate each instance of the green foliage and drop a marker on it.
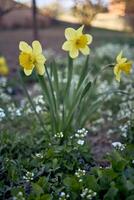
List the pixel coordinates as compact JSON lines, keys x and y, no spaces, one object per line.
{"x":66,"y":100}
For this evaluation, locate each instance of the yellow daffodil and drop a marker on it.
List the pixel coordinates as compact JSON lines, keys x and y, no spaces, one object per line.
{"x":122,"y":65}
{"x":76,"y":41}
{"x":4,"y":70}
{"x":32,"y":57}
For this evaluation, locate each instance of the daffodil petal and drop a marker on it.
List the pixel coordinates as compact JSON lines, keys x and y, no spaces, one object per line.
{"x":118,"y":76}
{"x":119,"y":57}
{"x":70,"y":33}
{"x":24,"y":47}
{"x":40,"y":59}
{"x":117,"y":72}
{"x":123,"y":60}
{"x":79,"y":30}
{"x":27,"y":72}
{"x":40,"y":69}
{"x":116,"y":69}
{"x":67,"y":45}
{"x":37,"y":48}
{"x":74,"y":53}
{"x":2,"y":60}
{"x":85,"y":50}
{"x":4,"y":70}
{"x":89,"y":38}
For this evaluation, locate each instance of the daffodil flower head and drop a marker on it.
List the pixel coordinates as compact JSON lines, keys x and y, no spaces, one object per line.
{"x":4,"y":70}
{"x":122,"y":65}
{"x":76,"y":41}
{"x":32,"y":57}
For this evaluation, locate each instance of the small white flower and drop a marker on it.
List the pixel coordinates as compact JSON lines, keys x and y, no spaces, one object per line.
{"x":62,"y":194}
{"x":118,"y":145}
{"x":59,"y":135}
{"x":20,"y":194}
{"x":77,"y":135}
{"x":80,"y":142}
{"x":2,"y":114}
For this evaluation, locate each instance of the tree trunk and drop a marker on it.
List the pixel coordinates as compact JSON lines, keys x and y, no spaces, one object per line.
{"x":35,"y":25}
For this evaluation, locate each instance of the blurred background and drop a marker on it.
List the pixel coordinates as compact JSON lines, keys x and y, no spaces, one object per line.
{"x":107,"y":20}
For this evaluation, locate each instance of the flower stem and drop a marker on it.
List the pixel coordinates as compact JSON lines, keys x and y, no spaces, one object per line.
{"x":70,"y":72}
{"x":32,"y":104}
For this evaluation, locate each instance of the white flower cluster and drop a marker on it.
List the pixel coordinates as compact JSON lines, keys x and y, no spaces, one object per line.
{"x":80,"y":173}
{"x":125,"y":110}
{"x":3,"y":81}
{"x":118,"y":145}
{"x":124,"y":130}
{"x":19,"y":196}
{"x":88,"y":194}
{"x":64,"y":196}
{"x":59,"y":135}
{"x":110,"y":51}
{"x":39,"y":99}
{"x":2,"y":114}
{"x":13,"y":111}
{"x":80,"y":135}
{"x":29,"y":176}
{"x":5,"y":98}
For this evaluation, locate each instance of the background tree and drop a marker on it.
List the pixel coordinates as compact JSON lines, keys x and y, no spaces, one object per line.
{"x":7,"y":6}
{"x":86,"y":10}
{"x":54,"y":9}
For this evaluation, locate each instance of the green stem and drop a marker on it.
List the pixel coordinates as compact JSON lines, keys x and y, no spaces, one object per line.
{"x":69,"y":77}
{"x":32,"y":104}
{"x":48,"y":98}
{"x":52,"y":92}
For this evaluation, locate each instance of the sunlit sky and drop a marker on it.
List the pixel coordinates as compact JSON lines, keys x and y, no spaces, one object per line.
{"x":66,"y":3}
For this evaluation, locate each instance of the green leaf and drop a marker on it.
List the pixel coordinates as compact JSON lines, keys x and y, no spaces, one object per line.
{"x":83,"y":72}
{"x":130,"y":185}
{"x":72,"y":183}
{"x":118,"y":163}
{"x":46,"y":197}
{"x":130,"y":197}
{"x":111,"y":194}
{"x":43,"y":183}
{"x":91,"y":182}
{"x":37,"y":190}
{"x":87,"y":87}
